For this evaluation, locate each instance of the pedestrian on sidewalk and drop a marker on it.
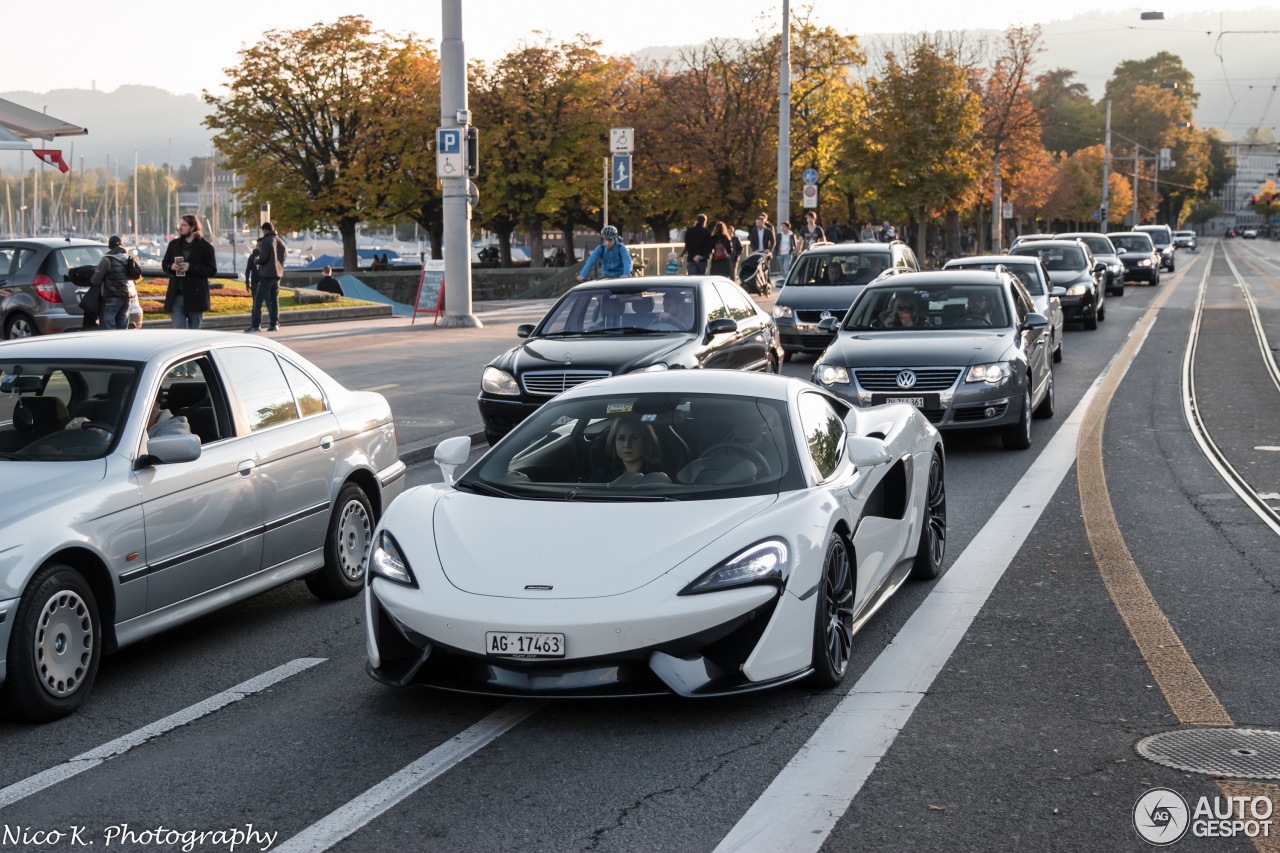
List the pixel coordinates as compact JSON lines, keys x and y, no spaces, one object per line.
{"x":190,"y":262}
{"x":112,"y":276}
{"x":329,"y":284}
{"x":697,"y":245}
{"x":271,"y":254}
{"x":789,"y":245}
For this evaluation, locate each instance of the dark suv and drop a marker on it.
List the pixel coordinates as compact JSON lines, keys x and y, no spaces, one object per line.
{"x":824,"y":281}
{"x":36,"y":294}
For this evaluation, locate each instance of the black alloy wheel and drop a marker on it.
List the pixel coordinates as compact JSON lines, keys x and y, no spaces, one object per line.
{"x":933,"y":534}
{"x":833,"y":620}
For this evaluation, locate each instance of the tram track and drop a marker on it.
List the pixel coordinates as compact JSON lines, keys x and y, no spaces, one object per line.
{"x":1192,"y":407}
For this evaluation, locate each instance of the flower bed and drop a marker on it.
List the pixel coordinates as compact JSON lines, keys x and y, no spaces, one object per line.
{"x":231,"y":297}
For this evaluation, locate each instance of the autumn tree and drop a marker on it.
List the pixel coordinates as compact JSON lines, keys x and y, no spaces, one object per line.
{"x":297,"y":119}
{"x":1069,"y":118}
{"x":922,"y":126}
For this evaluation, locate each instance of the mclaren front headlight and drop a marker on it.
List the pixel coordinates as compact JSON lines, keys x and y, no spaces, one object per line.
{"x":764,"y":562}
{"x":495,"y":381}
{"x":386,"y":560}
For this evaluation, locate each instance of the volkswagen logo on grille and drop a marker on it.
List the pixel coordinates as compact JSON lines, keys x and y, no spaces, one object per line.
{"x":826,"y":315}
{"x":907,"y":379}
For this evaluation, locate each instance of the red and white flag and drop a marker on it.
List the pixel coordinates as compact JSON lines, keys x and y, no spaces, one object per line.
{"x":53,"y":157}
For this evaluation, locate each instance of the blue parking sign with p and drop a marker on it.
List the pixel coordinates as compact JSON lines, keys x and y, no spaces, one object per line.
{"x":449,"y":140}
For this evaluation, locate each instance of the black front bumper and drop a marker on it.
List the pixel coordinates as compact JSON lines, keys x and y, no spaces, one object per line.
{"x":503,"y":414}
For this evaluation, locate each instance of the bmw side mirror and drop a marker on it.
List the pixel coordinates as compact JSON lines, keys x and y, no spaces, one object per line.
{"x":171,"y":449}
{"x":828,"y":324}
{"x":451,"y":453}
{"x":524,"y":330}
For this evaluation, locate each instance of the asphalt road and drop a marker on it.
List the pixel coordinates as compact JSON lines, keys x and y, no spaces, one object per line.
{"x":1024,"y":739}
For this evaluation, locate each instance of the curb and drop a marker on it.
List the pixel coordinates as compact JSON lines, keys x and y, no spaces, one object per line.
{"x":425,"y":450}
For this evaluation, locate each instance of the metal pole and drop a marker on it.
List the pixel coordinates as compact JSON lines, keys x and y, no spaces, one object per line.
{"x":22,"y":190}
{"x":1106,"y":174}
{"x":168,"y":185}
{"x":1137,"y":162}
{"x":457,"y":203}
{"x":608,"y":172}
{"x":997,"y":211}
{"x":784,"y":120}
{"x":135,"y":196}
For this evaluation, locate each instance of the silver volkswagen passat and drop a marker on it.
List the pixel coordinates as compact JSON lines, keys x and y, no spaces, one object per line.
{"x":149,"y":478}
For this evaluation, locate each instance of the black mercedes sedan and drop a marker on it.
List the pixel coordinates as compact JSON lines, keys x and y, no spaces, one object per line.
{"x":966,"y":348}
{"x":615,"y":326}
{"x":1139,"y":256}
{"x":1071,"y":265}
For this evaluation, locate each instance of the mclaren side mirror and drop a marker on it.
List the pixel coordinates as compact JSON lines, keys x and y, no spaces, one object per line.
{"x":451,"y":453}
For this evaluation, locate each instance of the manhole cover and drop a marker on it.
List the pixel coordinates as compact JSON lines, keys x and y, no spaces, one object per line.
{"x":1238,"y":753}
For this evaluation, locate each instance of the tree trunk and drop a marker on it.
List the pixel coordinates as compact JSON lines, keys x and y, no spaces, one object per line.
{"x":570,"y":252}
{"x":953,"y":234}
{"x":922,"y":235}
{"x":347,"y":228}
{"x":503,"y":230}
{"x":536,"y":255}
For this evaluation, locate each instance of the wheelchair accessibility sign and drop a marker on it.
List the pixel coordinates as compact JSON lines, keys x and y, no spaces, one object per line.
{"x":451,"y":156}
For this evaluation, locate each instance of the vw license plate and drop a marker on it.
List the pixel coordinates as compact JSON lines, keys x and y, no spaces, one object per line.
{"x":918,"y":402}
{"x":513,"y":645}
{"x":928,"y":402}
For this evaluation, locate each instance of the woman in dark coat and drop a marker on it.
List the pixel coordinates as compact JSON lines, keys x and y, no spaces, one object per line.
{"x":722,"y":250}
{"x":190,"y":262}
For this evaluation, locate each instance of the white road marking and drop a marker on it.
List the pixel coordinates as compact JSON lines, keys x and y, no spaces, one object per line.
{"x":798,"y":810}
{"x":385,"y":795}
{"x":1271,"y":447}
{"x":381,"y":387}
{"x":88,"y":760}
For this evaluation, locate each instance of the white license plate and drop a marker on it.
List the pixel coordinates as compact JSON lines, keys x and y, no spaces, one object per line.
{"x":513,"y":645}
{"x":918,"y":402}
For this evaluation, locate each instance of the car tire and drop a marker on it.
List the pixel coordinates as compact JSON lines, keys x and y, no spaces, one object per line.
{"x":1101,"y":311}
{"x":1155,"y":279}
{"x":346,"y":546}
{"x":1045,"y":409}
{"x":1057,"y":350}
{"x":491,"y":438}
{"x":933,"y":530}
{"x":55,"y":647}
{"x":1018,"y":436}
{"x":773,"y":367}
{"x":20,"y":326}
{"x":833,"y":619}
{"x":786,"y":355}
{"x":1091,"y":319}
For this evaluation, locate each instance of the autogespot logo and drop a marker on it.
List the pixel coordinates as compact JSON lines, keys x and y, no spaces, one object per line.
{"x":1160,"y":816}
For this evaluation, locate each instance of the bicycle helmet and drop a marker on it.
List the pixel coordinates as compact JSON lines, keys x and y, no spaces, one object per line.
{"x":609,"y":233}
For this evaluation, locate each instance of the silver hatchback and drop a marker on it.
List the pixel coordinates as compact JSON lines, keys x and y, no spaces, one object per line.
{"x":148,"y":478}
{"x":37,"y":295}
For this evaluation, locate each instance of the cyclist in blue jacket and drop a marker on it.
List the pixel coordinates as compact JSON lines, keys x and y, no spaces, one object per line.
{"x":613,"y":257}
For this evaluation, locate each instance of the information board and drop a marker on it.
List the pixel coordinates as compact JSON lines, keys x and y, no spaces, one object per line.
{"x":430,"y":291}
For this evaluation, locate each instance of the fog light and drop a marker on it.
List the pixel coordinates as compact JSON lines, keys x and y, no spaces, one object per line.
{"x":989,"y":412}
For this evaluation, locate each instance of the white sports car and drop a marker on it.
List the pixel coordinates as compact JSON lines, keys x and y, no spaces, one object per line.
{"x":696,"y":532}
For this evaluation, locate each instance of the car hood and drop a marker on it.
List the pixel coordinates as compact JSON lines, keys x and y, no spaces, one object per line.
{"x":28,"y":487}
{"x":616,"y":354}
{"x":1066,"y":278}
{"x":917,"y":349}
{"x":578,"y":549}
{"x":808,"y":297}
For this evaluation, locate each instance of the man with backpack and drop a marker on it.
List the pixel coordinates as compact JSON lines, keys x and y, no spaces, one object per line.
{"x":271,"y":254}
{"x":114,"y":272}
{"x":611,"y":254}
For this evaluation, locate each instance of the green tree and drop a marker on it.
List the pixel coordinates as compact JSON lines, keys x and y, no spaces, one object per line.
{"x":297,"y":120}
{"x":1069,"y":117}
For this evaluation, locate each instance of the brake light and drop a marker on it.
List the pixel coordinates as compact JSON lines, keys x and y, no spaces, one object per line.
{"x":46,"y":288}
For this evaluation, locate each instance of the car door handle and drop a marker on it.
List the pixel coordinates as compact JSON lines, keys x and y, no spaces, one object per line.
{"x":245,"y":468}
{"x":326,"y":442}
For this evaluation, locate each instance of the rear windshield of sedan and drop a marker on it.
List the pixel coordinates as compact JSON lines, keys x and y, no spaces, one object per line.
{"x":650,"y":447}
{"x":838,"y":269}
{"x":1097,"y":244}
{"x":952,"y":307}
{"x":1028,"y":274}
{"x":60,"y":411}
{"x":1133,"y":243}
{"x":1054,"y":257}
{"x":603,"y":310}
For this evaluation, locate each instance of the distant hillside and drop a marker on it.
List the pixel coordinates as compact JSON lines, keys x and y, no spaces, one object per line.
{"x":1236,"y":75}
{"x":142,"y":116}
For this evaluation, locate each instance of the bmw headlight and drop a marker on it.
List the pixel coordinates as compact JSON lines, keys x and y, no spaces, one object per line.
{"x":1078,"y":289}
{"x":653,"y":368}
{"x":989,"y":373}
{"x":1144,"y":262}
{"x":831,"y":374}
{"x":764,"y":562}
{"x":386,"y":561}
{"x":782,"y":312}
{"x":495,"y":381}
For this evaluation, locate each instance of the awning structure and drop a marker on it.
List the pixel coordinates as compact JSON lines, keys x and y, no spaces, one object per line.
{"x":19,"y":125}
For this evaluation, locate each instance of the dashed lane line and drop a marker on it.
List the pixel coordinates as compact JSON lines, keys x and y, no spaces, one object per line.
{"x":88,"y":760}
{"x":385,"y":795}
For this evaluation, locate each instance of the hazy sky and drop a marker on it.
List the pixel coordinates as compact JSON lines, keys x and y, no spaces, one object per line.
{"x":184,"y":47}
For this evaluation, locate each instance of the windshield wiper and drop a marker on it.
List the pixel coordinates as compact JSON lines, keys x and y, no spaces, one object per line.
{"x":483,"y":489}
